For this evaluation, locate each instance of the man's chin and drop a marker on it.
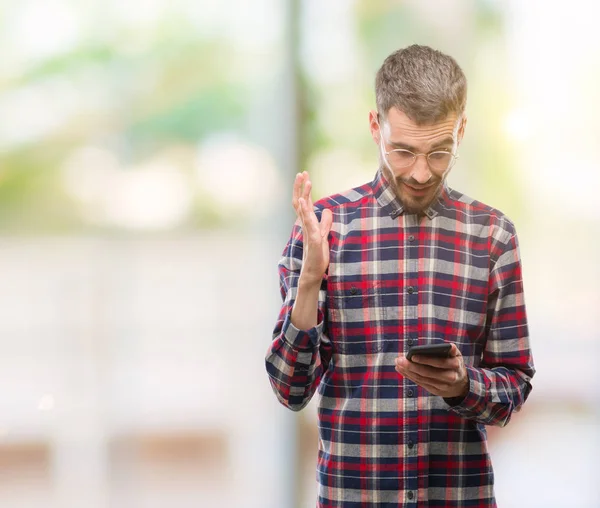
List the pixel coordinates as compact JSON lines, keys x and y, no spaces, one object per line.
{"x":415,"y":207}
{"x":414,"y":204}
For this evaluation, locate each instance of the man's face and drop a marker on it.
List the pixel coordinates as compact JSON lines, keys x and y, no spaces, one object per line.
{"x":417,"y":185}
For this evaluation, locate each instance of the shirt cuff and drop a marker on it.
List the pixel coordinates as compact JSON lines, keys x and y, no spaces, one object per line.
{"x":303,"y":339}
{"x":475,"y":398}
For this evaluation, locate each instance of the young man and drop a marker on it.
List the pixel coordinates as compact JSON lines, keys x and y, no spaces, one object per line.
{"x":403,"y":261}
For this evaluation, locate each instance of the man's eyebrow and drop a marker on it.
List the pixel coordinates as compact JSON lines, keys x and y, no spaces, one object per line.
{"x":443,"y":143}
{"x":438,"y":144}
{"x":404,"y":146}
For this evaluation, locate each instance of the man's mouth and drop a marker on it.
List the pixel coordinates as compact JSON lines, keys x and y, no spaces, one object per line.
{"x":419,"y":191}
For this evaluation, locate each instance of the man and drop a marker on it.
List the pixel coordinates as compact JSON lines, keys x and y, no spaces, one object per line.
{"x":404,"y":260}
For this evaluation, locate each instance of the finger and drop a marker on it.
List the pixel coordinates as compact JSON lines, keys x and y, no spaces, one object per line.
{"x":297,"y":191}
{"x":445,"y":380}
{"x":307,"y":188}
{"x":305,"y":179}
{"x":419,"y":378}
{"x":309,"y":219}
{"x":300,"y":213}
{"x":439,"y":363}
{"x":425,"y":383}
{"x":455,"y":351}
{"x":326,"y":222}
{"x":432,"y":374}
{"x":401,"y":361}
{"x":435,"y":385}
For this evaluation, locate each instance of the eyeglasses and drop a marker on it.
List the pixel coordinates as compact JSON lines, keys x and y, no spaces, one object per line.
{"x":439,"y":160}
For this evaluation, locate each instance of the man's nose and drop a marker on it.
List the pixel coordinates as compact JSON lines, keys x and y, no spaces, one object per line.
{"x":421,"y":172}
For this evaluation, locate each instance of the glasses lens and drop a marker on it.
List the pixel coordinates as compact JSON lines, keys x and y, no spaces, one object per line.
{"x":400,"y":158}
{"x":440,"y":160}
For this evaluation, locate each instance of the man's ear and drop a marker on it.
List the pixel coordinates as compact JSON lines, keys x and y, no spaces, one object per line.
{"x":461,"y":128}
{"x":374,"y":126}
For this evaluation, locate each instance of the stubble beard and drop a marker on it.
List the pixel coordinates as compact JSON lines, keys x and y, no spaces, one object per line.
{"x":411,"y":205}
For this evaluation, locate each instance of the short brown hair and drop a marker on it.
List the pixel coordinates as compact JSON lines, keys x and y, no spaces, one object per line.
{"x":425,"y":84}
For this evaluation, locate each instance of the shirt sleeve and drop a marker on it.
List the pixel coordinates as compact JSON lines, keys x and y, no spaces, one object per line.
{"x":501,"y":383}
{"x":297,"y":359}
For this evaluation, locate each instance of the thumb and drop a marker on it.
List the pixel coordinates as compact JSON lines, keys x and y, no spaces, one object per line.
{"x":326,"y":221}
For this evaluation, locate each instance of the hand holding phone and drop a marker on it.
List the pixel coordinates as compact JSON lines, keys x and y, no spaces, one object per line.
{"x":440,"y":370}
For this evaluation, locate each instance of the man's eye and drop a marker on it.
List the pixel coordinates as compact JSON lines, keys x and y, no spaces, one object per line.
{"x":440,"y":155}
{"x":402,"y":154}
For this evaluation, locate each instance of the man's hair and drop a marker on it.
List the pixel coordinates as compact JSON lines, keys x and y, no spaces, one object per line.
{"x":423,"y":83}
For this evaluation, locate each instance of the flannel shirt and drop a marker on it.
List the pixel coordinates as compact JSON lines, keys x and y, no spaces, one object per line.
{"x":395,"y":280}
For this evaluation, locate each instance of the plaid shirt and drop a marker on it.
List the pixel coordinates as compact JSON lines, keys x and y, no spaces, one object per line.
{"x":397,"y":280}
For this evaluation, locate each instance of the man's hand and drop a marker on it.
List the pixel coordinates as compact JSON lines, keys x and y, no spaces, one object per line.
{"x":316,"y":245}
{"x":446,"y":377}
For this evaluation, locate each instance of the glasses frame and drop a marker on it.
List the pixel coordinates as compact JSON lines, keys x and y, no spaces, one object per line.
{"x":426,"y":155}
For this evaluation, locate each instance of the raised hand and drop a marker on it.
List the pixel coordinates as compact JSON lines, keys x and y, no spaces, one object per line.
{"x":316,"y":245}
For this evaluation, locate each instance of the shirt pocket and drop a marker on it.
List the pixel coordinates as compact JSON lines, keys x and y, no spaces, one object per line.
{"x":356,"y":316}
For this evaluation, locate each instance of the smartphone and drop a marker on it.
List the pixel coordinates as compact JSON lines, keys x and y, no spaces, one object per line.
{"x":439,"y":350}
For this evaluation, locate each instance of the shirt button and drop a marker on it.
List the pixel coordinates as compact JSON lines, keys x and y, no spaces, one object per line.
{"x":410,"y":393}
{"x":411,"y":238}
{"x":410,"y":494}
{"x":411,"y":290}
{"x":353,"y":290}
{"x":410,"y":342}
{"x":410,"y":443}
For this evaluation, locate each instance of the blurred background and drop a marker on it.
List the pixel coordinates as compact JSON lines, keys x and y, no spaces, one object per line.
{"x":147,"y":150}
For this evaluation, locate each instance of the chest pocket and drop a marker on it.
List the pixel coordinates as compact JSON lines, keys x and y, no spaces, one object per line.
{"x":357,"y":316}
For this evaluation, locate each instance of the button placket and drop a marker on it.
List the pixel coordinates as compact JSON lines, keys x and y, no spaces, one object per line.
{"x":411,"y":291}
{"x":411,"y":314}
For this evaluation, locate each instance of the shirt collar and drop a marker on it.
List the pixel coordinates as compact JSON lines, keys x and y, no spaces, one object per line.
{"x":387,"y":199}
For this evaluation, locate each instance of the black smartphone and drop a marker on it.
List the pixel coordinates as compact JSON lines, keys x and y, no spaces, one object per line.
{"x":438,"y":350}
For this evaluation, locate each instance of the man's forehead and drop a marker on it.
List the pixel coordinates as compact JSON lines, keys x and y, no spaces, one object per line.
{"x":396,"y":117}
{"x":430,"y":133}
{"x":398,"y":126}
